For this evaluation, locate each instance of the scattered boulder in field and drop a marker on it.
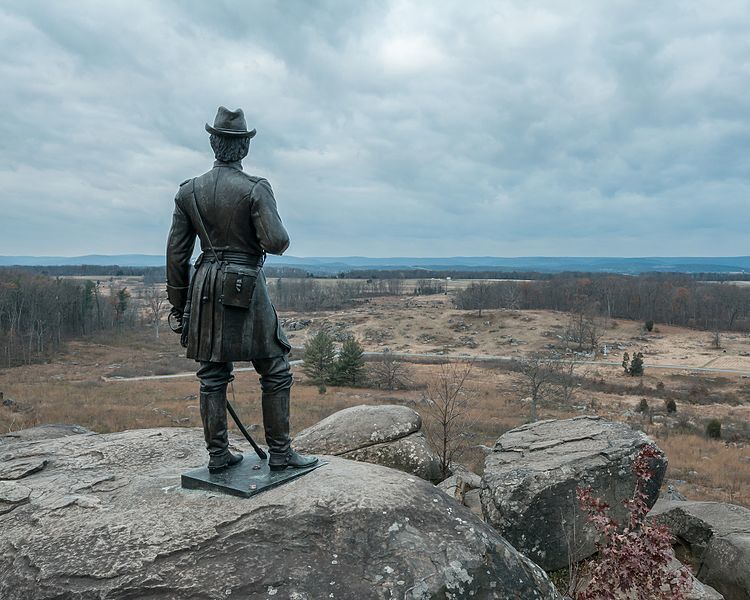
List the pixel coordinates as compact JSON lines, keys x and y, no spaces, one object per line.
{"x":388,"y":435}
{"x":107,"y":518}
{"x":530,"y":480}
{"x":715,"y":538}
{"x":672,"y":493}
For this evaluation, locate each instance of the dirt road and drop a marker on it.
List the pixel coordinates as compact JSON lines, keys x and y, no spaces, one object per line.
{"x":462,"y":357}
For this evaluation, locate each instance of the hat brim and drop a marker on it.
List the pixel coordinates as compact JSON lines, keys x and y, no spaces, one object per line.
{"x":230,"y":132}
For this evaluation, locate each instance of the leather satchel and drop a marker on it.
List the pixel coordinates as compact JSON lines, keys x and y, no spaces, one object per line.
{"x":237,"y":286}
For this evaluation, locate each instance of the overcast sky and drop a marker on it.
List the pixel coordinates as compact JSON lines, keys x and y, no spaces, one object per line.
{"x":385,"y":128}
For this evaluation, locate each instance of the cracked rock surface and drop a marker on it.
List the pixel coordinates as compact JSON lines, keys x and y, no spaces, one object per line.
{"x":715,"y":538}
{"x":388,"y":435}
{"x":105,"y":518}
{"x":530,"y":480}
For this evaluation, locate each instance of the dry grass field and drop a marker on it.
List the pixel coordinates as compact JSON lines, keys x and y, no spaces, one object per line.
{"x":77,"y":387}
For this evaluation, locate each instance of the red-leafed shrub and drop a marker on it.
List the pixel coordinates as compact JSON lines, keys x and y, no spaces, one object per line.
{"x":634,"y":557}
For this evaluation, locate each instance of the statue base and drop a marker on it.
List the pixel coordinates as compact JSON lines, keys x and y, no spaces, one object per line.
{"x":246,"y":479}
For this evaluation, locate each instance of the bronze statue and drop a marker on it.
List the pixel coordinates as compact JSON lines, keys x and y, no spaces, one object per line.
{"x":224,"y":311}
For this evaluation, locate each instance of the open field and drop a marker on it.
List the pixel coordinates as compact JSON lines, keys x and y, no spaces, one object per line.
{"x":72,"y":389}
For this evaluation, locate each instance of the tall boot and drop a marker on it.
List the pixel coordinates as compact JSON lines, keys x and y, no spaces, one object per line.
{"x":276,"y":425}
{"x":214,"y":417}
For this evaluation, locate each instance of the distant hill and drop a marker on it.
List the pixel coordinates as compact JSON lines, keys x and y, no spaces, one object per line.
{"x":330,"y":265}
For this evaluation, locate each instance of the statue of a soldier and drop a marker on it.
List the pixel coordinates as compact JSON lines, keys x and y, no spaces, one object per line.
{"x":224,"y":311}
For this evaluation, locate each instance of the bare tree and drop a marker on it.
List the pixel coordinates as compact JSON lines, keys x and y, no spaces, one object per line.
{"x":425,"y":287}
{"x":583,"y":327}
{"x":716,"y":339}
{"x":477,"y":296}
{"x":395,"y":287}
{"x":510,"y":295}
{"x":447,"y":404}
{"x":565,"y":383}
{"x":155,"y":303}
{"x":388,"y":372}
{"x":540,"y":376}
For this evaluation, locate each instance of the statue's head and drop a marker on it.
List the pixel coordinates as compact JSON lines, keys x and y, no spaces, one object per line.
{"x":230,"y":138}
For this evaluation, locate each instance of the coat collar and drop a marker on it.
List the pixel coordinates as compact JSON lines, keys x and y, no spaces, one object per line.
{"x":232,"y":165}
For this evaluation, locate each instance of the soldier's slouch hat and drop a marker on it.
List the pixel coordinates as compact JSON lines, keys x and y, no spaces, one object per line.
{"x":230,"y":123}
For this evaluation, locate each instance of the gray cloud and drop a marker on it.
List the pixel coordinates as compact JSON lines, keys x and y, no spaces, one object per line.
{"x":398,"y":128}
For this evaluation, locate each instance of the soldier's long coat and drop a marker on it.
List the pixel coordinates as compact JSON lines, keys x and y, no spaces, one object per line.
{"x":239,"y":213}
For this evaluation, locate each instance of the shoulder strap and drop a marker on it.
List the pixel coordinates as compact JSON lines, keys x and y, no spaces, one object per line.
{"x":200,"y":219}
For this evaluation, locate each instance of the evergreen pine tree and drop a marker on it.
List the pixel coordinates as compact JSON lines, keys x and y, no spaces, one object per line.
{"x":319,"y":357}
{"x":636,"y":365}
{"x":350,"y":366}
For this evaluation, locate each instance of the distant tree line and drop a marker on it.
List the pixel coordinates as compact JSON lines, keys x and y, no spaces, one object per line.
{"x":313,"y":294}
{"x":38,"y":313}
{"x":150,"y":275}
{"x":156,"y":274}
{"x":516,"y":275}
{"x":674,"y":300}
{"x":440,"y":274}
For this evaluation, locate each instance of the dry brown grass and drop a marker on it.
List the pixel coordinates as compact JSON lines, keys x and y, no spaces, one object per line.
{"x":712,"y":469}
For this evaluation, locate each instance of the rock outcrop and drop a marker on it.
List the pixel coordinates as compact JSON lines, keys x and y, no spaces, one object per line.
{"x":44,"y":432}
{"x":464,"y":485}
{"x":715,"y":538}
{"x":530,"y":479}
{"x":388,"y":435}
{"x":104,"y":517}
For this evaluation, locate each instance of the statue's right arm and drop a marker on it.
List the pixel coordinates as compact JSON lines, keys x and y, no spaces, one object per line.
{"x":272,"y":234}
{"x":179,"y":250}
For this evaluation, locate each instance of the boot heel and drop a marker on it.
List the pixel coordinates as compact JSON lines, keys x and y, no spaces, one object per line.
{"x":277,"y":467}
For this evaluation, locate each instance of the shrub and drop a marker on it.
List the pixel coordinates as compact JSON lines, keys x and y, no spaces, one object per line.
{"x":713,"y":429}
{"x":643,"y":405}
{"x":633,"y":366}
{"x":670,"y":405}
{"x":322,"y":389}
{"x":636,"y":365}
{"x":634,"y":557}
{"x":389,"y":372}
{"x":649,"y":325}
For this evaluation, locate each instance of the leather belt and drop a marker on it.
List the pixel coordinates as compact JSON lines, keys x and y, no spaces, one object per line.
{"x":232,"y":256}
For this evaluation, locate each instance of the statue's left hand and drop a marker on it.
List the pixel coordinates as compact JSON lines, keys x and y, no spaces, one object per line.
{"x":175,"y":315}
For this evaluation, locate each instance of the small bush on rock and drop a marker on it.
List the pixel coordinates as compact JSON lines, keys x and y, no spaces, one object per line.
{"x":643,"y":406}
{"x":671,"y":406}
{"x":634,"y":557}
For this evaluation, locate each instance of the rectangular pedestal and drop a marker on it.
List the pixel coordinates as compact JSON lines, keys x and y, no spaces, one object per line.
{"x":246,"y":479}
